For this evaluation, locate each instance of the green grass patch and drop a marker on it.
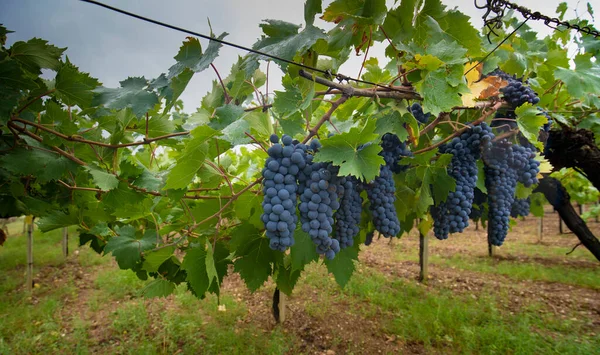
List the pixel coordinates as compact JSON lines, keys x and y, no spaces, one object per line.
{"x":466,"y":324}
{"x":584,"y":277}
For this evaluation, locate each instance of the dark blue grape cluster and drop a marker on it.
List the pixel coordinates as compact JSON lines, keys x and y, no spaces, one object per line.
{"x":501,"y":182}
{"x":382,"y":195}
{"x":347,"y":217}
{"x":280,"y":189}
{"x":452,"y":216}
{"x":317,"y":202}
{"x":520,"y":207}
{"x":525,"y":164}
{"x":502,"y":75}
{"x":516,"y":93}
{"x":417,"y":111}
{"x":393,"y":150}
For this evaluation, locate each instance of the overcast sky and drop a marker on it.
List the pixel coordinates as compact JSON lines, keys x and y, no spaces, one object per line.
{"x":112,"y":46}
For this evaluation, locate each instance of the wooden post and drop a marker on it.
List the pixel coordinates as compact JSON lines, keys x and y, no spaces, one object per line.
{"x":65,"y":242}
{"x":29,"y":221}
{"x":540,"y":228}
{"x":580,"y":208}
{"x":278,"y":306}
{"x":477,"y":225}
{"x":282,"y":305}
{"x":423,"y":257}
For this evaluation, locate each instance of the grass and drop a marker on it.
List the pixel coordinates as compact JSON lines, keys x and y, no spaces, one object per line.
{"x":87,"y":305}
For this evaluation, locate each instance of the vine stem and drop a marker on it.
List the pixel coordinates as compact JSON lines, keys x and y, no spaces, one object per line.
{"x":227,"y":97}
{"x":462,"y":130}
{"x":87,"y":141}
{"x":233,"y":198}
{"x":326,"y":117}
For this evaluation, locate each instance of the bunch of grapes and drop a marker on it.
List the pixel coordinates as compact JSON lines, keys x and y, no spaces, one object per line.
{"x":382,"y":195}
{"x":317,"y":203}
{"x":417,"y":111}
{"x":369,"y":238}
{"x":501,"y":182}
{"x":280,"y":187}
{"x":347,"y":217}
{"x":393,"y":151}
{"x":525,"y":164}
{"x":520,"y":207}
{"x":516,"y":93}
{"x":452,"y":216}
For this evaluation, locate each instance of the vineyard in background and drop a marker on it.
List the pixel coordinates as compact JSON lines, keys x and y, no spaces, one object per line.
{"x":453,"y":134}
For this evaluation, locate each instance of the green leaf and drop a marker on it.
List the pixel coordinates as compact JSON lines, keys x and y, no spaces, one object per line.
{"x":57,"y":219}
{"x":343,"y":150}
{"x":105,"y":181}
{"x":158,"y":288}
{"x":283,"y":41}
{"x":12,"y":82}
{"x":362,"y":12}
{"x":286,"y":279}
{"x":253,"y":256}
{"x":303,"y":251}
{"x":342,"y":266}
{"x":154,"y":259}
{"x":36,"y":54}
{"x":530,"y":120}
{"x":248,"y":208}
{"x":132,"y":94}
{"x":438,"y":94}
{"x":190,"y":56}
{"x":194,"y":263}
{"x":191,"y":159}
{"x":74,"y":87}
{"x":126,"y":248}
{"x":311,"y":8}
{"x":584,"y":79}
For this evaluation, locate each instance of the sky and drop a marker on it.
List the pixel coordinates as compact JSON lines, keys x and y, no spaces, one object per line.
{"x":111,"y":46}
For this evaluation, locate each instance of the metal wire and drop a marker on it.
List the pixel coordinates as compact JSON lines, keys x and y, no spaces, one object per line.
{"x":327,"y":73}
{"x":498,"y":7}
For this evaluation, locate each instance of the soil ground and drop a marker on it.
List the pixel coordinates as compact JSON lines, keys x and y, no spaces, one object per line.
{"x":530,"y":296}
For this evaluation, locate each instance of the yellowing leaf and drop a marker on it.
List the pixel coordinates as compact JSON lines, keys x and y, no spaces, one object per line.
{"x":473,"y":75}
{"x":484,"y":89}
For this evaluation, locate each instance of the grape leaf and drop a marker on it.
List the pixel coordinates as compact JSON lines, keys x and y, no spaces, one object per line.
{"x":12,"y":81}
{"x":132,"y":94}
{"x":303,"y":251}
{"x":57,"y":219}
{"x":438,"y":94}
{"x":253,"y":256}
{"x":342,"y":266}
{"x":126,"y":248}
{"x":154,"y":259}
{"x":191,"y":159}
{"x":311,"y":8}
{"x":286,"y":279}
{"x":362,"y":12}
{"x":284,"y":41}
{"x":158,"y":288}
{"x":248,"y":208}
{"x":105,"y":181}
{"x":190,"y":56}
{"x":530,"y":120}
{"x":583,"y":80}
{"x":343,"y":150}
{"x":36,"y":54}
{"x":74,"y":87}
{"x":194,"y":263}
